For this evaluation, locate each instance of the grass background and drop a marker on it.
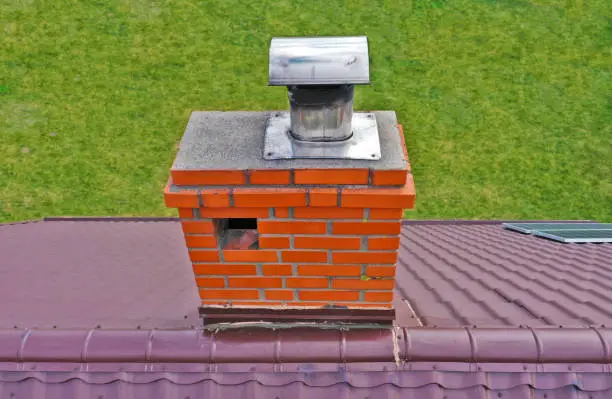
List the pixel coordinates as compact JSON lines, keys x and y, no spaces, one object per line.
{"x":506,"y":105}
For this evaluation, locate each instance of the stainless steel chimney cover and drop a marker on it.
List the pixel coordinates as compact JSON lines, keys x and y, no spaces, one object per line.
{"x":319,"y":61}
{"x":320,"y":74}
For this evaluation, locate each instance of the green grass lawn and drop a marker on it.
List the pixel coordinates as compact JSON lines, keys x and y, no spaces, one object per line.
{"x":506,"y":105}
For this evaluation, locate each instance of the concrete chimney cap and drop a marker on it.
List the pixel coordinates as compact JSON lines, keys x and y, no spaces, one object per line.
{"x":319,"y":61}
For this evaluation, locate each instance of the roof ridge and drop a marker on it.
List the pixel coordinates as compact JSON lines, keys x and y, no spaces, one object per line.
{"x":440,"y":345}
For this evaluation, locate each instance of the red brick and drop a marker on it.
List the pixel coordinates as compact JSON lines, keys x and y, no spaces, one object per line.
{"x":210,"y":282}
{"x":185,"y":213}
{"x":279,"y":295}
{"x":277,"y":270}
{"x":386,"y":214}
{"x":255,"y":282}
{"x":366,"y":227}
{"x":225,"y":269}
{"x":201,"y":241}
{"x":249,"y":255}
{"x":329,"y":270}
{"x":274,"y":242}
{"x":269,"y":197}
{"x":183,"y":199}
{"x":198,"y":227}
{"x":379,"y":296}
{"x":208,"y":177}
{"x":331,"y":176}
{"x":291,"y":227}
{"x":327,"y":197}
{"x":376,"y":243}
{"x":306,"y":242}
{"x":229,"y":294}
{"x":305,"y":256}
{"x":204,"y":256}
{"x":328,"y":295}
{"x":380,"y":271}
{"x":364,"y":257}
{"x":234,"y":212}
{"x":389,"y":177}
{"x":281,"y":212}
{"x":215,"y":198}
{"x":307,"y":283}
{"x":328,"y":213}
{"x":357,"y":284}
{"x":380,"y":197}
{"x":269,"y":176}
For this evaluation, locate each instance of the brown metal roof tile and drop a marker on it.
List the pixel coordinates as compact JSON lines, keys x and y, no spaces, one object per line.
{"x":482,"y":274}
{"x":125,"y":275}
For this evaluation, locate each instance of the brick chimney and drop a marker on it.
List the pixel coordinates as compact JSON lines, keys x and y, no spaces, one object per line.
{"x":276,"y":222}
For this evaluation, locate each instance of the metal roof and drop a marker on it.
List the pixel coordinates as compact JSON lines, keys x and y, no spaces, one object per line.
{"x":109,"y":309}
{"x":481,"y":274}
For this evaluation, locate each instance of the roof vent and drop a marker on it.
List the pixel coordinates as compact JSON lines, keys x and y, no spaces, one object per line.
{"x":320,"y":74}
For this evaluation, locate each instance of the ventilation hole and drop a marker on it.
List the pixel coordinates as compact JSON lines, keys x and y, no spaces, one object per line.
{"x":238,"y":233}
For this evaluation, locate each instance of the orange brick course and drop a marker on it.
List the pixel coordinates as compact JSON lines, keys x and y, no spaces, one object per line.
{"x":389,"y":177}
{"x":331,"y":176}
{"x":375,"y":243}
{"x":274,"y":242}
{"x":364,"y":257}
{"x":291,"y":227}
{"x":276,"y":270}
{"x":308,"y":242}
{"x":328,"y":213}
{"x":327,"y":197}
{"x":216,"y":198}
{"x":280,"y":295}
{"x":307,"y":283}
{"x":225,"y":269}
{"x":305,"y":256}
{"x":269,"y":197}
{"x":221,"y":213}
{"x":281,"y":212}
{"x":380,"y":271}
{"x":382,"y":214}
{"x":201,"y":241}
{"x":255,"y":282}
{"x":329,"y":270}
{"x":269,"y":177}
{"x":357,"y":284}
{"x":249,"y":255}
{"x":186,"y":213}
{"x":198,"y":227}
{"x":208,"y":177}
{"x":229,"y":294}
{"x":366,"y":227}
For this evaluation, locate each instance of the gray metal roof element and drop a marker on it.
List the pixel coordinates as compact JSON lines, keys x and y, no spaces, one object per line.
{"x":577,"y":236}
{"x":531,"y":228}
{"x":319,"y":61}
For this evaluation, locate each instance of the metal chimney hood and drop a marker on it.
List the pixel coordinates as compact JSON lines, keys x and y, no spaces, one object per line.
{"x":320,"y":74}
